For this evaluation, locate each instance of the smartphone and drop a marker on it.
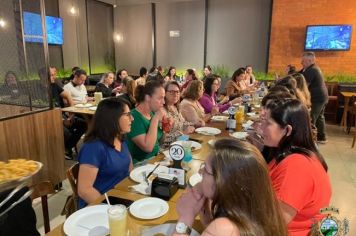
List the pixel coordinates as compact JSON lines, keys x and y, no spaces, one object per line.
{"x":118,"y":200}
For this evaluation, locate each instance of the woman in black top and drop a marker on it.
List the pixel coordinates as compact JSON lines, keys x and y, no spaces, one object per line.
{"x":104,"y":85}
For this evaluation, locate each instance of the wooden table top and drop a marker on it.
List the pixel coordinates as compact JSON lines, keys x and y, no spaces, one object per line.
{"x":348,"y":94}
{"x":121,"y":190}
{"x":77,"y":110}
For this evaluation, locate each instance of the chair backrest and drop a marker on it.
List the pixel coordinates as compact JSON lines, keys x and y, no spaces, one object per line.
{"x":42,"y":190}
{"x":72,"y":175}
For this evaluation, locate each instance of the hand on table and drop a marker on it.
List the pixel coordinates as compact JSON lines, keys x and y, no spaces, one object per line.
{"x":189,"y":130}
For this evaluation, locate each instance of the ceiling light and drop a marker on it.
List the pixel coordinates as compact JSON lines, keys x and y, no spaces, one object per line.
{"x":2,"y":23}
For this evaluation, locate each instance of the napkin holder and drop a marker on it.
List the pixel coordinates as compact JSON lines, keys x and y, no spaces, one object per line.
{"x":164,"y":188}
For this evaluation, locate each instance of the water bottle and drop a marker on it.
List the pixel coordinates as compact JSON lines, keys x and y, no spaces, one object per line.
{"x":231,"y":122}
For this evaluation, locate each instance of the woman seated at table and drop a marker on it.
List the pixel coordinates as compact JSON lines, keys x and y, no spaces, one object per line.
{"x":128,"y":91}
{"x":11,"y":86}
{"x":208,"y":100}
{"x":171,"y":74}
{"x":236,"y":86}
{"x":180,"y":125}
{"x":145,"y":135}
{"x":190,"y":107}
{"x":302,"y":86}
{"x":104,"y":85}
{"x":296,"y":161}
{"x":189,"y":76}
{"x":291,"y":84}
{"x":104,"y":158}
{"x":235,"y":196}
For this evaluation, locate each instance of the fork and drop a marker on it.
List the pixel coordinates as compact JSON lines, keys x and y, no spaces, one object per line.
{"x":145,"y":177}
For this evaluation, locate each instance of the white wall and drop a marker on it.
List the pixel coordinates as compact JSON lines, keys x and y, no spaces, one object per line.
{"x":187,"y":50}
{"x":238,"y":33}
{"x":75,"y":46}
{"x":134,"y":25}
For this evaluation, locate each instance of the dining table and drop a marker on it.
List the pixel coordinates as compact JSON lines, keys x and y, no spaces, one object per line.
{"x":122,"y":190}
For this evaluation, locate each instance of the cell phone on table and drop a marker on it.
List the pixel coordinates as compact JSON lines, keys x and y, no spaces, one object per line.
{"x":118,"y":200}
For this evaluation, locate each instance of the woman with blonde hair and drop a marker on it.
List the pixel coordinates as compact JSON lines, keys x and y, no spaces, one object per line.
{"x":235,"y":196}
{"x":128,"y":91}
{"x":104,"y":85}
{"x":303,"y":87}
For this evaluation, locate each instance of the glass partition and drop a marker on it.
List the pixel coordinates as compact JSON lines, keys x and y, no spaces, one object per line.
{"x":24,"y":57}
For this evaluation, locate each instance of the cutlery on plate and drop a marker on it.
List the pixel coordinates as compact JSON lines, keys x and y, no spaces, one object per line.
{"x":153,"y":171}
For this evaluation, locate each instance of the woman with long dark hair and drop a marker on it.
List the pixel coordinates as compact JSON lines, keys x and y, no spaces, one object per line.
{"x":236,"y":86}
{"x":297,"y":169}
{"x":208,"y":100}
{"x":104,"y":158}
{"x":235,"y":196}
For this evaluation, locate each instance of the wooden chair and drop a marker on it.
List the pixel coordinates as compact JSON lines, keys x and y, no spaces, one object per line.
{"x":333,"y":103}
{"x":42,"y":190}
{"x":72,"y":202}
{"x":352,"y":110}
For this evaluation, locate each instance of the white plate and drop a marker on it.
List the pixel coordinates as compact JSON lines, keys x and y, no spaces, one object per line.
{"x":81,"y":105}
{"x":87,"y":218}
{"x":251,"y":114}
{"x":239,"y":135}
{"x":219,"y":118}
{"x":136,"y":174}
{"x":248,"y":124}
{"x":93,"y":108}
{"x":195,"y":145}
{"x":208,"y":130}
{"x":165,"y":229}
{"x":149,"y":208}
{"x":226,"y":112}
{"x":211,"y":142}
{"x":194,"y":179}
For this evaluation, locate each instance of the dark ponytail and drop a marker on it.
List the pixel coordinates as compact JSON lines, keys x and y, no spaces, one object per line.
{"x":147,"y":89}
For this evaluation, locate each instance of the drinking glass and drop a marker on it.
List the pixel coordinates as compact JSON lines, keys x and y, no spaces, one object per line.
{"x":117,"y":220}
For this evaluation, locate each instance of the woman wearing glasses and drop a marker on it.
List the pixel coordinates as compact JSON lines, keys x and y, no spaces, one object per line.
{"x":208,"y":100}
{"x":235,"y":196}
{"x":104,"y":159}
{"x":180,"y":125}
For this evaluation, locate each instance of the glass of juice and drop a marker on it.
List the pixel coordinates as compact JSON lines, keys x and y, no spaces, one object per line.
{"x":117,"y":220}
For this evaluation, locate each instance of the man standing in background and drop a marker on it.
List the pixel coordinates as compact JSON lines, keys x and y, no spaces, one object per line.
{"x":318,"y":91}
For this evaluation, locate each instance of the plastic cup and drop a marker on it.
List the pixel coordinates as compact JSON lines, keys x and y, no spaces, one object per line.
{"x":187,"y":146}
{"x":98,"y":96}
{"x":117,"y":220}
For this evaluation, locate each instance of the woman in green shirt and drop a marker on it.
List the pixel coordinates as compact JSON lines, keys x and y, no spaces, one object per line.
{"x":143,"y":140}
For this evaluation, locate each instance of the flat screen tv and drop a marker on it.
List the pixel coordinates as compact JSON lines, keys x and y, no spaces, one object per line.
{"x":328,"y":37}
{"x":33,"y":28}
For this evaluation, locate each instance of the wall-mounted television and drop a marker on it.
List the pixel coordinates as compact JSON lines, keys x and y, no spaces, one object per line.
{"x":328,"y":37}
{"x":33,"y":28}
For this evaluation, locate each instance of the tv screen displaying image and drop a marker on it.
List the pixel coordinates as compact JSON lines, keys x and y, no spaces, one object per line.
{"x":328,"y":37}
{"x":33,"y":28}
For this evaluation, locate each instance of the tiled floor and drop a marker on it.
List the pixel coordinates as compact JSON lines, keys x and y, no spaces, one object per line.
{"x":342,"y":170}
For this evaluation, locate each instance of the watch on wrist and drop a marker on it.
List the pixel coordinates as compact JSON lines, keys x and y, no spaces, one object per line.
{"x":182,"y":228}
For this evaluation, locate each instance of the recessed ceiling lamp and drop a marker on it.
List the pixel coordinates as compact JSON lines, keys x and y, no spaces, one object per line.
{"x":2,"y":23}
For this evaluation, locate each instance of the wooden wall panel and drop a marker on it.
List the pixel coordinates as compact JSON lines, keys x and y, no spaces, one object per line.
{"x":37,"y":137}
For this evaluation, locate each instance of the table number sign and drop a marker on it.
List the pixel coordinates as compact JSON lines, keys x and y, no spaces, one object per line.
{"x":176,"y":152}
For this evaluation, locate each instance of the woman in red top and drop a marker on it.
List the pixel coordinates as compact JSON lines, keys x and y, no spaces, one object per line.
{"x":297,"y":170}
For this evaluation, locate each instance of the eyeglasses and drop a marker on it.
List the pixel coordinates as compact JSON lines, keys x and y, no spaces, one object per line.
{"x":173,"y":92}
{"x":128,"y":114}
{"x":202,"y":169}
